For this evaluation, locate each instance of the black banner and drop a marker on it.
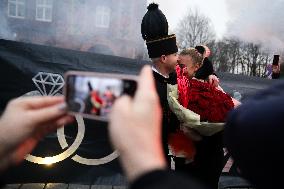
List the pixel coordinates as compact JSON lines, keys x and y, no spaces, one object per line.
{"x":27,"y":69}
{"x":81,"y":152}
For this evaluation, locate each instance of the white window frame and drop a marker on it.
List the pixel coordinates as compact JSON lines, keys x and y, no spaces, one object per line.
{"x":17,"y":4}
{"x":103,"y":16}
{"x":45,"y":7}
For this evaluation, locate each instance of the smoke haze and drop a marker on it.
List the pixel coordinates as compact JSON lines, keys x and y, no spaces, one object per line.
{"x":5,"y":32}
{"x":257,"y":21}
{"x":103,"y":26}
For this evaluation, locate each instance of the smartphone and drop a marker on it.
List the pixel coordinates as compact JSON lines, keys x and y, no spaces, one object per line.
{"x":276,"y":60}
{"x":92,"y":94}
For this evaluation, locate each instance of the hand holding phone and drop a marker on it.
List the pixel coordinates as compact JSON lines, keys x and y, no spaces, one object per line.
{"x":92,"y":94}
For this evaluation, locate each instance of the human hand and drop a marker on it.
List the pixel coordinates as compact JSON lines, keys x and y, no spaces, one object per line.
{"x":236,"y":102}
{"x":135,"y":128}
{"x":213,"y":80}
{"x":24,"y":122}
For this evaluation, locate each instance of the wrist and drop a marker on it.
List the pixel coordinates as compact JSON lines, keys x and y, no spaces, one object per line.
{"x":136,"y":168}
{"x":5,"y":150}
{"x":137,"y":164}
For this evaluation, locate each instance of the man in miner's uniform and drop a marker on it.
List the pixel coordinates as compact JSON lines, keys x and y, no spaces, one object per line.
{"x":162,"y":50}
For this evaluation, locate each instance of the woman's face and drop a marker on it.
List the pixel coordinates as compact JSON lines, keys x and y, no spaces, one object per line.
{"x":186,"y":60}
{"x":207,"y":52}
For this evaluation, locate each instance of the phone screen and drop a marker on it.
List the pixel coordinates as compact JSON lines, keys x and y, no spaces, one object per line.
{"x":93,"y":96}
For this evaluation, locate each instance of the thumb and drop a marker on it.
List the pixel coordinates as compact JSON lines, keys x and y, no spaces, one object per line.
{"x":146,"y":86}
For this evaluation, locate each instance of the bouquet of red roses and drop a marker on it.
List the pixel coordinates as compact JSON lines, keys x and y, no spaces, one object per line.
{"x":199,"y":106}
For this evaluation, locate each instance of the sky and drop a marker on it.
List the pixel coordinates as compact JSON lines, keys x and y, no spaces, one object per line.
{"x":256,"y":21}
{"x":216,"y":10}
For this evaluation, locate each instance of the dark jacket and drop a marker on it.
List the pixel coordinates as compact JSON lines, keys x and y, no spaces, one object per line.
{"x":205,"y":70}
{"x":169,"y":121}
{"x":166,"y":180}
{"x":254,"y":136}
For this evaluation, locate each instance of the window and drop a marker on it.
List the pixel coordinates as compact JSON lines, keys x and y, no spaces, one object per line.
{"x":44,"y":10}
{"x":102,"y":16}
{"x":16,"y":8}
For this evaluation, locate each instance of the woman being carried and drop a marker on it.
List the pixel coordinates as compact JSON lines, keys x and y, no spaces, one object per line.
{"x":202,"y":109}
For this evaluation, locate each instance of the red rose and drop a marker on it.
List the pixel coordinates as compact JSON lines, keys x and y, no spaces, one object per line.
{"x":210,"y":103}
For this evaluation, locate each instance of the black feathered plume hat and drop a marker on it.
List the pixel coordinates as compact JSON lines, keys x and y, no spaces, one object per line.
{"x":154,"y":30}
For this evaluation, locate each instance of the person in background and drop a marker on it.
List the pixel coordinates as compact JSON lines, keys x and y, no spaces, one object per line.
{"x":206,"y":71}
{"x":276,"y":67}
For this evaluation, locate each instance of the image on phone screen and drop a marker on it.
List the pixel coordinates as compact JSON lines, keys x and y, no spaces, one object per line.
{"x":94,"y":96}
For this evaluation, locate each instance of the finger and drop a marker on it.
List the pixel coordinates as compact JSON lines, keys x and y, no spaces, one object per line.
{"x":53,"y":125}
{"x":64,"y":121}
{"x":146,"y":86}
{"x":39,"y":102}
{"x":211,"y":81}
{"x":47,"y":114}
{"x":120,"y":106}
{"x":146,"y":99}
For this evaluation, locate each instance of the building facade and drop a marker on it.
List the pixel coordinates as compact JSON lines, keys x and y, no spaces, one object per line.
{"x":109,"y":27}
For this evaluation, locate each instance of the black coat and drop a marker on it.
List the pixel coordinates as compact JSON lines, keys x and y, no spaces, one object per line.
{"x":254,"y":135}
{"x":208,"y":161}
{"x":166,"y":180}
{"x":169,"y":121}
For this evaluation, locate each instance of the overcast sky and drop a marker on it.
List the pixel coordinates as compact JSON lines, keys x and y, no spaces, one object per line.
{"x":257,"y":21}
{"x":216,"y":10}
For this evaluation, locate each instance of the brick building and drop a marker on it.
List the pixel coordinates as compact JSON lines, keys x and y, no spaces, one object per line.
{"x":102,"y":26}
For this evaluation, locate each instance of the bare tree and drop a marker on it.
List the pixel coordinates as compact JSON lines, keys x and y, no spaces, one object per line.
{"x":220,"y":56}
{"x":193,"y":29}
{"x":240,"y":57}
{"x":233,"y":53}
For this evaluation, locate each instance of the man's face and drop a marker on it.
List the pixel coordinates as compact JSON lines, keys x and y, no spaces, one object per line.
{"x":171,"y":61}
{"x":186,"y":60}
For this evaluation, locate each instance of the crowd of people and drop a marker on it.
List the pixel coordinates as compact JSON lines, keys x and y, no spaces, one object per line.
{"x":188,"y":132}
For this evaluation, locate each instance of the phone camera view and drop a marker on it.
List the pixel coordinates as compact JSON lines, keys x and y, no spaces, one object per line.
{"x":94,"y":96}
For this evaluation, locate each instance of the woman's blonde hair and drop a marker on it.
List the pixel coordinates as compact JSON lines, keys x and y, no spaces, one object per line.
{"x":194,"y":54}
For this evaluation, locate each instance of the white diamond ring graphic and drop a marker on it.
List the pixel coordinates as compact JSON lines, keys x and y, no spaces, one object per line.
{"x":48,"y":83}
